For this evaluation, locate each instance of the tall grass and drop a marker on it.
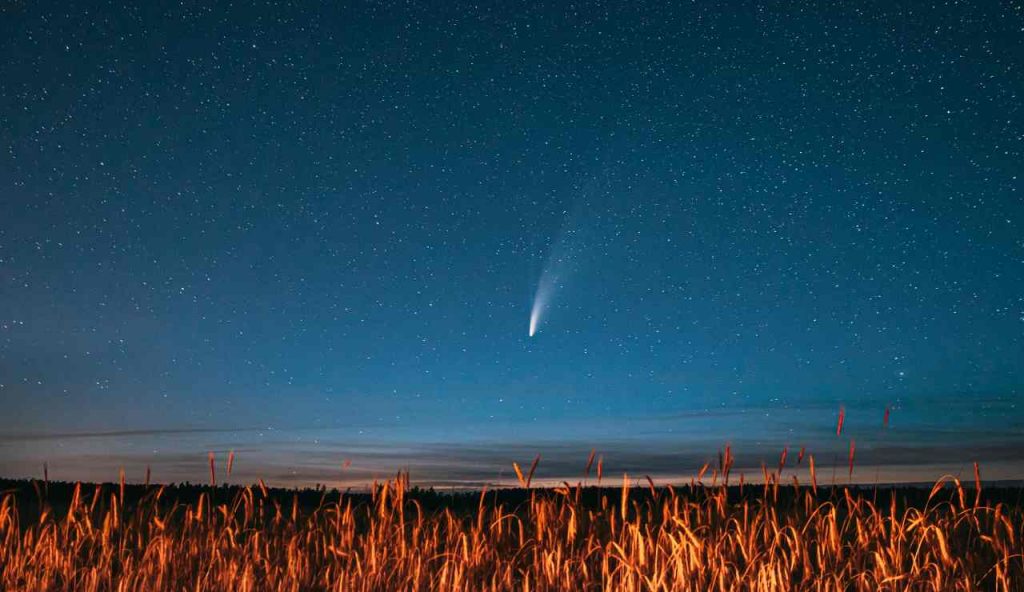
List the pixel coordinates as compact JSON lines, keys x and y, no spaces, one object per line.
{"x":773,"y":536}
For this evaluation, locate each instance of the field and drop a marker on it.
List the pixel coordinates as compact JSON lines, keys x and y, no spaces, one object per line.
{"x":773,"y":535}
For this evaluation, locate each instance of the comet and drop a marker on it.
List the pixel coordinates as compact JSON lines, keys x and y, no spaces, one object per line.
{"x":541,"y":300}
{"x":559,"y":265}
{"x":563,"y":260}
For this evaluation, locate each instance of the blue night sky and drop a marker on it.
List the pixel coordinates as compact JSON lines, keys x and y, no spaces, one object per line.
{"x":314,"y":232}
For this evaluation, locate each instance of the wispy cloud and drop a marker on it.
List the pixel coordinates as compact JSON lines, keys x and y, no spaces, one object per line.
{"x":53,"y":436}
{"x":305,"y":461}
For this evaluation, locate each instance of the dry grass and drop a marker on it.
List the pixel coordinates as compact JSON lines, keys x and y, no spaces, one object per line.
{"x":771,"y":537}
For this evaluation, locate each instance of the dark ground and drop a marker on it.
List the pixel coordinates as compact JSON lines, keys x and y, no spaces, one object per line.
{"x":31,"y":495}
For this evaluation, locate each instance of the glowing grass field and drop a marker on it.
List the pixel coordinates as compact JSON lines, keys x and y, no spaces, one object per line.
{"x":778,"y":534}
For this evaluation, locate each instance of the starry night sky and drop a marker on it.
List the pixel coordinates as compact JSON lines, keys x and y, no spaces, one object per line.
{"x":313,"y":232}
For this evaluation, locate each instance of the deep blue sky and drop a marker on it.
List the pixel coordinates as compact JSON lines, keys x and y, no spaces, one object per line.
{"x":312,"y":232}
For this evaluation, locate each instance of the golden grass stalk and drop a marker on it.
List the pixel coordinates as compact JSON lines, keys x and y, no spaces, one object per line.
{"x":853,"y":448}
{"x":590,"y":462}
